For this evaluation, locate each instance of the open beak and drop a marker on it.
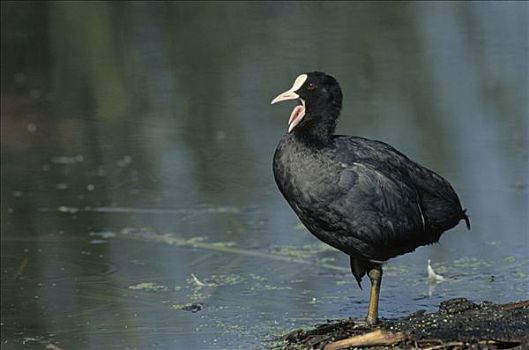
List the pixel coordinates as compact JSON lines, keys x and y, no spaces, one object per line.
{"x":299,"y":111}
{"x":285,"y":96}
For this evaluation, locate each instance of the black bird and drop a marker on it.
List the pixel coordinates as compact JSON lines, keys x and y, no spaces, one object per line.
{"x":360,"y":196}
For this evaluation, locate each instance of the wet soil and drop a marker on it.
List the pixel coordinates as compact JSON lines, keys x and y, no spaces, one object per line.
{"x":458,"y":324}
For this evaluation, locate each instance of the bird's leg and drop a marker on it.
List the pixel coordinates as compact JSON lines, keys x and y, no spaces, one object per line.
{"x":375,"y":275}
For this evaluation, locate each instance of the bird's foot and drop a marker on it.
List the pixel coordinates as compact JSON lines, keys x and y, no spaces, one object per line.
{"x":363,"y":324}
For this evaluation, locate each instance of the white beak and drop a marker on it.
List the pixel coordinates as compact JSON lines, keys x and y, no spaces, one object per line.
{"x":285,"y":96}
{"x":299,"y":111}
{"x":291,"y":94}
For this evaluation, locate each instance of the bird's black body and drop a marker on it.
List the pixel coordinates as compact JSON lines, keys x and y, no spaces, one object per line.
{"x":360,"y":196}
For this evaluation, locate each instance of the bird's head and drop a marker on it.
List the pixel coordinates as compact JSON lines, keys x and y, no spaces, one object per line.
{"x":319,"y":100}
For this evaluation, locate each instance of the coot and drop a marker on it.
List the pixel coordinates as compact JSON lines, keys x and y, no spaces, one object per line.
{"x":360,"y":196}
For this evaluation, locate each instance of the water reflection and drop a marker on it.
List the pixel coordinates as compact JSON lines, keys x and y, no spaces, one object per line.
{"x":136,"y":148}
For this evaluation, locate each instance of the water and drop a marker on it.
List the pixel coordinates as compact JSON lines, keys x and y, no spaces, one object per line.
{"x":136,"y":153}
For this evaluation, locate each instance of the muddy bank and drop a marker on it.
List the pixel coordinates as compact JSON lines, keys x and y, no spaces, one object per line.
{"x":458,"y":324}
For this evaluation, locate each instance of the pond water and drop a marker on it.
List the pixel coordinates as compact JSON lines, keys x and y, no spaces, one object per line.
{"x":138,"y":203}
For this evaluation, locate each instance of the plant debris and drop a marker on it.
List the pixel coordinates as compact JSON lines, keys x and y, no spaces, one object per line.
{"x":459,"y":324}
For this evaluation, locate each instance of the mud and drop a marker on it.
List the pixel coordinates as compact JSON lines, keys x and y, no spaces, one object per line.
{"x":458,"y":324}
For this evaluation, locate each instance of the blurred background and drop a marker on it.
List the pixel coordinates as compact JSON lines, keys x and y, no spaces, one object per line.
{"x":138,"y":205}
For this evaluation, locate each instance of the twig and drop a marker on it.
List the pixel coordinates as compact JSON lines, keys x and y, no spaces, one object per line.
{"x":377,"y":337}
{"x":51,"y":346}
{"x":22,"y":267}
{"x":445,"y":345}
{"x":517,"y":305}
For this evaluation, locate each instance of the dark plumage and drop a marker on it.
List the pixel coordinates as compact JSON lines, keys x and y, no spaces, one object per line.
{"x":360,"y":196}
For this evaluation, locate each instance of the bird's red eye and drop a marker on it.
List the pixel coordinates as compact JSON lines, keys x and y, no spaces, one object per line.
{"x":311,"y":87}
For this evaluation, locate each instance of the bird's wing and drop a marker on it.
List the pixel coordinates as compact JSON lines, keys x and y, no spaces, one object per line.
{"x":379,"y":210}
{"x":440,"y":203}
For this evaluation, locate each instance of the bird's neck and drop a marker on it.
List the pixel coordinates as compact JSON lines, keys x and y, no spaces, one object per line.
{"x":317,"y":130}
